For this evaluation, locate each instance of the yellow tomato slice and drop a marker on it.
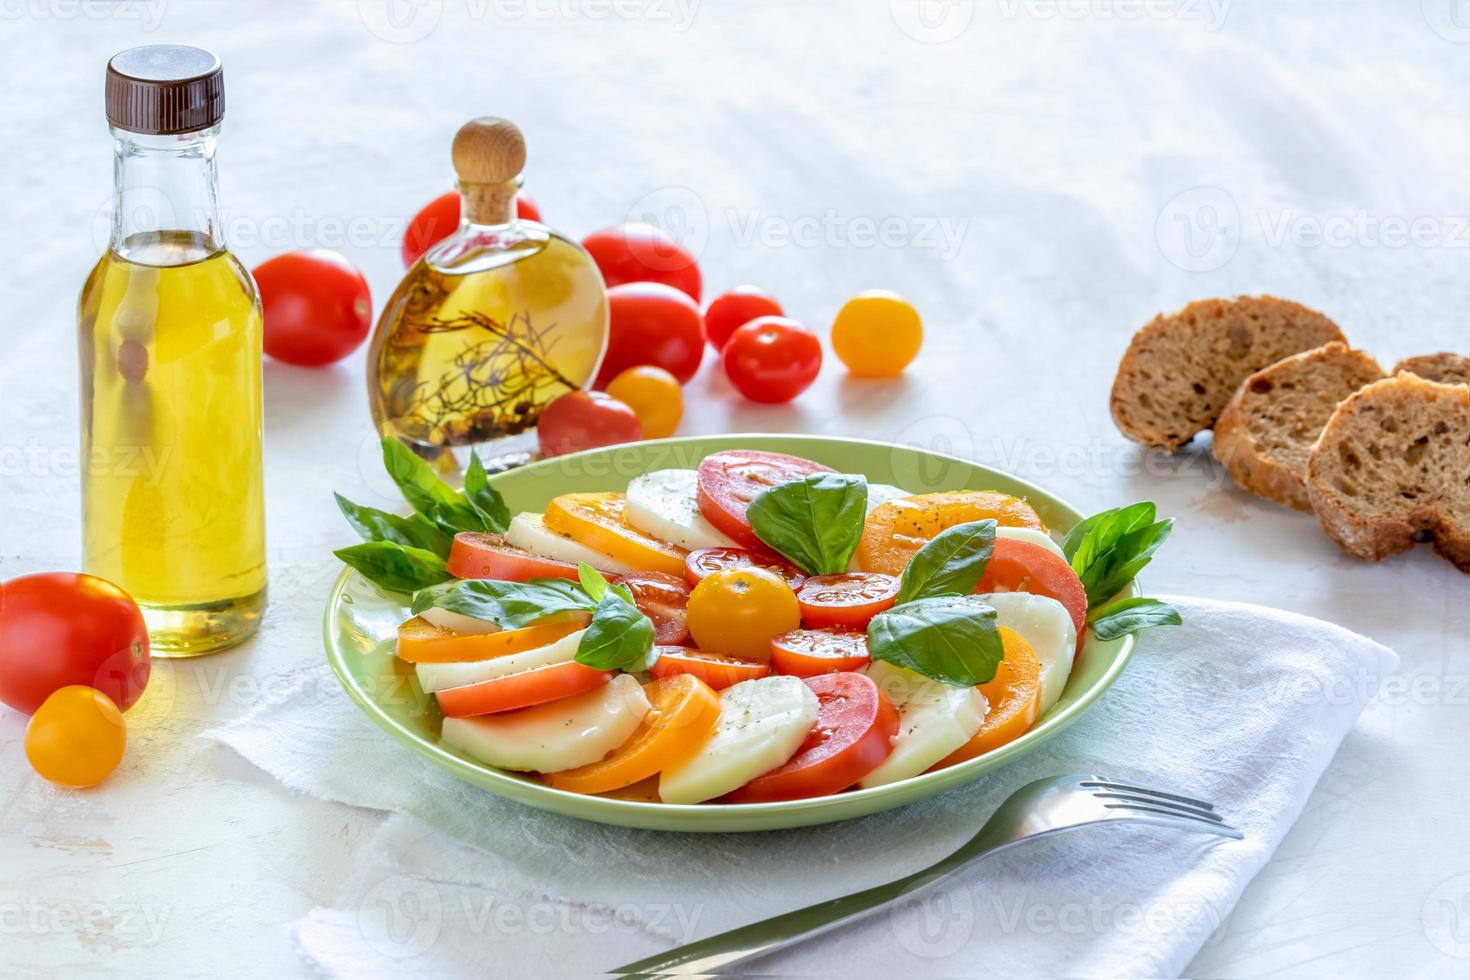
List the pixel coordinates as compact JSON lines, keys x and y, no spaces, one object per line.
{"x":1014,"y":695}
{"x":897,"y":529}
{"x":685,"y":710}
{"x":421,"y":642}
{"x":596,"y":520}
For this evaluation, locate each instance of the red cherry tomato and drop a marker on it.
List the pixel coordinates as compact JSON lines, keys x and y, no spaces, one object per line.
{"x":59,"y":629}
{"x":1021,"y":566}
{"x":733,"y":310}
{"x":317,"y":306}
{"x":730,"y":480}
{"x":772,"y":359}
{"x":663,"y":599}
{"x":810,"y":653}
{"x":715,"y":669}
{"x":585,"y":420}
{"x":440,"y":218}
{"x":643,"y":253}
{"x":704,"y":562}
{"x":849,"y":599}
{"x":650,"y":323}
{"x":856,"y":724}
{"x":521,"y":690}
{"x":476,"y":555}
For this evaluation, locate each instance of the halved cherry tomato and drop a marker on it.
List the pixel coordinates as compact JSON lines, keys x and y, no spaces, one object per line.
{"x":730,"y":480}
{"x":684,"y":713}
{"x":740,"y":609}
{"x":476,"y":555}
{"x":596,"y":520}
{"x":663,"y":599}
{"x":704,"y":562}
{"x":1021,"y":566}
{"x":715,"y":669}
{"x":811,"y":653}
{"x":522,"y":690}
{"x":897,"y":529}
{"x":854,"y":732}
{"x":1014,"y":696}
{"x":421,"y":642}
{"x":849,"y":599}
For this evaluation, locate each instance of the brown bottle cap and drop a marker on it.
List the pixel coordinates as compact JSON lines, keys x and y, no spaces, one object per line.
{"x":165,"y":89}
{"x":489,"y":154}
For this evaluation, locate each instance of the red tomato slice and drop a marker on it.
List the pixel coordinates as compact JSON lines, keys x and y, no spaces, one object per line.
{"x":704,"y":562}
{"x":522,"y":690}
{"x":730,"y":480}
{"x":855,"y":727}
{"x":1021,"y":566}
{"x":716,"y":670}
{"x":663,"y":599}
{"x":849,"y":599}
{"x":476,"y":555}
{"x":810,"y":653}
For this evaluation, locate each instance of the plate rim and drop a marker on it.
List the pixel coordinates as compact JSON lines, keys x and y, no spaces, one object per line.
{"x":724,"y":817}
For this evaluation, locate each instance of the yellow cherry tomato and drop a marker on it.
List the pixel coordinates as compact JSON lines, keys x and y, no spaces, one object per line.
{"x":737,"y":611}
{"x":877,"y":333}
{"x":654,"y":396}
{"x":76,"y":737}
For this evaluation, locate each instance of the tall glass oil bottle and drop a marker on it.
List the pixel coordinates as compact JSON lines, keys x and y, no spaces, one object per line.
{"x":491,"y":325}
{"x":169,"y":333}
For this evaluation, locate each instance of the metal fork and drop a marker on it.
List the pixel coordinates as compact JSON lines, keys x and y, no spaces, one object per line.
{"x":1047,"y":806}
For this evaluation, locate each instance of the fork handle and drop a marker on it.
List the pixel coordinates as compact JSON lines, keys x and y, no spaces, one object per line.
{"x":759,"y":938}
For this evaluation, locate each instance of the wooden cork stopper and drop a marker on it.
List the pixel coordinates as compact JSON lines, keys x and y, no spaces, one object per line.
{"x":489,"y":154}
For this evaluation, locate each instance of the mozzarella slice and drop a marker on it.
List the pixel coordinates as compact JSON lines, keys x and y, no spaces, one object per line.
{"x":1045,"y":624}
{"x":762,"y":724}
{"x":458,"y":622}
{"x":565,"y":734}
{"x":934,"y":719}
{"x":880,"y":493}
{"x":528,"y":531}
{"x":439,"y":677}
{"x":1032,"y":535}
{"x":665,"y":505}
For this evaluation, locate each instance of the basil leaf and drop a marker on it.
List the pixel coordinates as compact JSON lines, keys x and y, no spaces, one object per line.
{"x":815,"y":522}
{"x":509,"y":605}
{"x":1108,"y":550}
{"x":620,"y":636}
{"x":951,"y":639}
{"x":484,"y":498}
{"x":379,"y":525}
{"x":426,"y":493}
{"x":392,"y":566}
{"x":592,"y":581}
{"x":951,"y":563}
{"x":1131,"y":615}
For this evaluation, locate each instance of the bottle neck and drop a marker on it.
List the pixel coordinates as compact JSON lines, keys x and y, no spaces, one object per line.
{"x":488,"y":204}
{"x":166,"y":208}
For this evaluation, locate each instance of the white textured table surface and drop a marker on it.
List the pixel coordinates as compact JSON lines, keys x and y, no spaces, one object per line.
{"x":1041,"y":177}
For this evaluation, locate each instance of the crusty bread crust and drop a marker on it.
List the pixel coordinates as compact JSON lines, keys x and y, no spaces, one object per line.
{"x":1392,"y":466}
{"x":1444,"y":367}
{"x":1180,"y":370}
{"x":1267,"y":431}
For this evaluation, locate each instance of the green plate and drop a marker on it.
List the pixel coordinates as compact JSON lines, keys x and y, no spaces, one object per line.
{"x":361,"y":623}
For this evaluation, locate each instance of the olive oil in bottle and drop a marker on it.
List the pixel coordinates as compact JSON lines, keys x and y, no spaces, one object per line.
{"x":491,"y":325}
{"x":170,"y":345}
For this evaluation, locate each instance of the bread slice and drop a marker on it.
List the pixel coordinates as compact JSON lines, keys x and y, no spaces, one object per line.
{"x":1267,"y":431}
{"x":1181,"y":369}
{"x":1446,"y":368}
{"x":1393,"y":467}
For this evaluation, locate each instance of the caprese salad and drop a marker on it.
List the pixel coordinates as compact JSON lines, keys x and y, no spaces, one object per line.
{"x":759,"y":628}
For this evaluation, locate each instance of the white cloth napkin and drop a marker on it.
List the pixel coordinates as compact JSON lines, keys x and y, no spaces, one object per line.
{"x":1242,"y":705}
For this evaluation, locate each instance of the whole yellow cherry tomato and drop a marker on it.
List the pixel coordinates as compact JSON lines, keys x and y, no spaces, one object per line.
{"x":877,"y":333}
{"x":76,"y":737}
{"x":654,"y":396}
{"x":737,"y":611}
